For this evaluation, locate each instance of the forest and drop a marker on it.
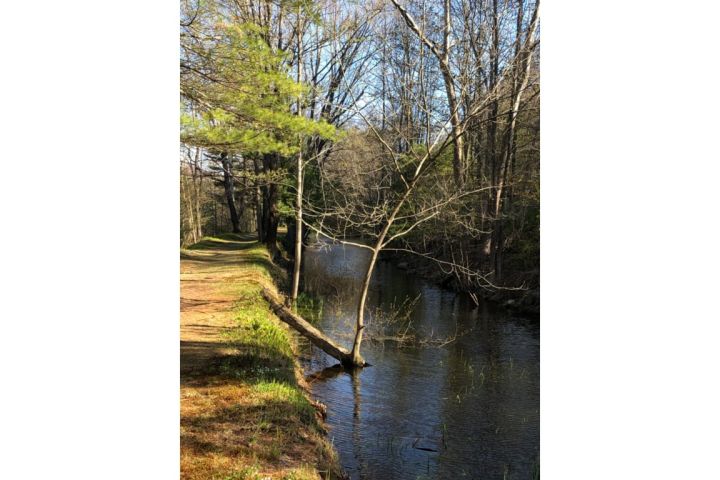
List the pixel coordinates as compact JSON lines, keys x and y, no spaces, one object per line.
{"x":408,"y":130}
{"x":416,"y":126}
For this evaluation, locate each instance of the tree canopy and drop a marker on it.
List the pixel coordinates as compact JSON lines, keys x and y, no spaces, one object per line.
{"x":237,"y":93}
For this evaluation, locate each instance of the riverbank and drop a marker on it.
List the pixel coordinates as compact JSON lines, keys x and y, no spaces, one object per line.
{"x":245,"y":412}
{"x":524,"y":301}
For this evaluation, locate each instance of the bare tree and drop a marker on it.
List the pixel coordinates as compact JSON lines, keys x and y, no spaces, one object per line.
{"x":299,"y":183}
{"x":442,"y":53}
{"x":191,"y":192}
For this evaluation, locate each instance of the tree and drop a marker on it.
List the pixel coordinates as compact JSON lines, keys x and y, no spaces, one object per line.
{"x":300,"y":180}
{"x":191,"y":192}
{"x":442,"y":53}
{"x":227,"y":182}
{"x":237,"y":93}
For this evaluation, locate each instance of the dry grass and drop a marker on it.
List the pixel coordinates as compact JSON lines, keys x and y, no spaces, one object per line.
{"x":244,"y":410}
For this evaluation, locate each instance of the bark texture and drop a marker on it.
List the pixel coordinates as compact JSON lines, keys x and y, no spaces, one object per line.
{"x":308,"y":331}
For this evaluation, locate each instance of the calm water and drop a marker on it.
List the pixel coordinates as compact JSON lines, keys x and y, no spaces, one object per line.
{"x":466,"y":409}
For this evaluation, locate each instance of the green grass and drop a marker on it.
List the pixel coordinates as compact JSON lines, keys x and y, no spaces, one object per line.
{"x":292,"y":399}
{"x":309,"y":307}
{"x":247,"y":473}
{"x":265,"y":347}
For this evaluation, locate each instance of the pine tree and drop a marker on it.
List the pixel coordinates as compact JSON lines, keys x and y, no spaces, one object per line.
{"x":239,"y":96}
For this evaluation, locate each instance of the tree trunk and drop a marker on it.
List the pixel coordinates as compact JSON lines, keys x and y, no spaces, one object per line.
{"x":459,"y":147}
{"x":360,"y":322}
{"x":197,"y":184}
{"x":229,"y":186}
{"x":444,"y":65}
{"x":189,"y":236}
{"x":270,"y":210}
{"x":492,"y":242}
{"x":520,"y":81}
{"x":379,"y":245}
{"x":459,"y":151}
{"x":298,"y":230}
{"x":260,"y":216}
{"x":315,"y":336}
{"x":299,"y":186}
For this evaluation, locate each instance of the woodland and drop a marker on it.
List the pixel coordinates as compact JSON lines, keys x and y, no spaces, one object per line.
{"x":408,"y":128}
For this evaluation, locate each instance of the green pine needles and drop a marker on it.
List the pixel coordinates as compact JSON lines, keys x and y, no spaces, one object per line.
{"x":238,"y":94}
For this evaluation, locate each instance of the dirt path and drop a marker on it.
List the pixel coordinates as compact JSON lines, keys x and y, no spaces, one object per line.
{"x":244,"y":411}
{"x":206,"y":302}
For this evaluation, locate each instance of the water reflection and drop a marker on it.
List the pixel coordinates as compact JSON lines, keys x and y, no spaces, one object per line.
{"x":467,"y":410}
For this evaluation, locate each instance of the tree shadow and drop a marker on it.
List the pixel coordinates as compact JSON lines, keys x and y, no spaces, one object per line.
{"x":213,"y":250}
{"x":225,"y":241}
{"x":203,"y":364}
{"x":327,"y":373}
{"x":258,"y":428}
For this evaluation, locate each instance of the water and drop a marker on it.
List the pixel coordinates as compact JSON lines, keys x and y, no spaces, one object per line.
{"x":461,"y":400}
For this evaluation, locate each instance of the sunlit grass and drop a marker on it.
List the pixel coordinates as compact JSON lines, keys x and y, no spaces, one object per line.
{"x":289,"y":397}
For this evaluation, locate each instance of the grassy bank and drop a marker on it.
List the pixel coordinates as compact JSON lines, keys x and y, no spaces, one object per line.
{"x":245,"y":412}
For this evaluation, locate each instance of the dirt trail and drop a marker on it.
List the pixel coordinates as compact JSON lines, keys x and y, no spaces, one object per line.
{"x":244,"y":411}
{"x":206,"y":303}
